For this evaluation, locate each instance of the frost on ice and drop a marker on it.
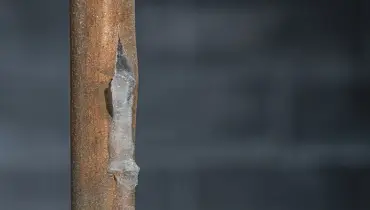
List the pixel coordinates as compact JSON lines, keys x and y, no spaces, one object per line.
{"x":122,"y":163}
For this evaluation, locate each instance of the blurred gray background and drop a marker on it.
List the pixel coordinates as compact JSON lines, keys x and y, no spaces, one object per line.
{"x":244,"y":105}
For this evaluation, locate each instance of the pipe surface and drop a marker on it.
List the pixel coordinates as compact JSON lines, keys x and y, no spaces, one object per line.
{"x":95,"y":27}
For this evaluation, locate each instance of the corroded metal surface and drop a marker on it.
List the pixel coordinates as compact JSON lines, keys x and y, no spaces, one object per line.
{"x":96,"y":27}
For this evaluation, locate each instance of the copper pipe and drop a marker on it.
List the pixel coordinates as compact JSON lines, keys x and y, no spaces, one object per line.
{"x":95,"y":27}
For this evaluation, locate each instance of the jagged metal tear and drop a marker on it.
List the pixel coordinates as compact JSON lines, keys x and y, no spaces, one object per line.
{"x":121,"y":143}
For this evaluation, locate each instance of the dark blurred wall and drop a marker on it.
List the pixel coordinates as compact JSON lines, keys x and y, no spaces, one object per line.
{"x":257,"y":105}
{"x":34,"y":127}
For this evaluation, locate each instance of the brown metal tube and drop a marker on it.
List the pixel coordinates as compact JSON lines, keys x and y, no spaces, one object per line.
{"x":96,"y":26}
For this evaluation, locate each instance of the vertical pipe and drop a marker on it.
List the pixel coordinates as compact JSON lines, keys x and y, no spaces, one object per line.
{"x":95,"y":28}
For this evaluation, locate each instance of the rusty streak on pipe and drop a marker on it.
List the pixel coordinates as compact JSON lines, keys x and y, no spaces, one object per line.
{"x":95,"y":27}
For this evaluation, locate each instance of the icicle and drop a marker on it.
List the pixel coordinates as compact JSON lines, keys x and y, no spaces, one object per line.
{"x":122,"y":163}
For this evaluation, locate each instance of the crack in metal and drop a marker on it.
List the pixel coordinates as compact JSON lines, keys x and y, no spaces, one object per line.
{"x":122,"y":164}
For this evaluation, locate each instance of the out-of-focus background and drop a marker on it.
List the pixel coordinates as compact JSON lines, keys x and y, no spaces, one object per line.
{"x":243,"y":104}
